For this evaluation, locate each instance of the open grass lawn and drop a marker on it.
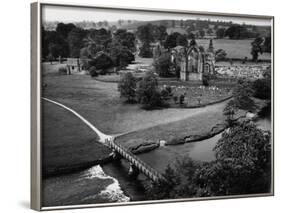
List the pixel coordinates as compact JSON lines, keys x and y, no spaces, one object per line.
{"x":114,"y":78}
{"x":51,"y":69}
{"x":68,"y":144}
{"x":196,"y":124}
{"x":99,"y":102}
{"x":233,"y":48}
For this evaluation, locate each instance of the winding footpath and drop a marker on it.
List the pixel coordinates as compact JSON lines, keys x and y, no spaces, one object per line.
{"x":102,"y":137}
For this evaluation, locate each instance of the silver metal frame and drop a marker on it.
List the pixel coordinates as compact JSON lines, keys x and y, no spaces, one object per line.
{"x":36,"y":161}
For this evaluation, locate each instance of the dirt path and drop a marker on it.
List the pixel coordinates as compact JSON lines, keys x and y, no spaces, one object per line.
{"x":102,"y":136}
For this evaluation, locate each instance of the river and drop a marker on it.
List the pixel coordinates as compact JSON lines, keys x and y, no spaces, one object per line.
{"x":111,"y":183}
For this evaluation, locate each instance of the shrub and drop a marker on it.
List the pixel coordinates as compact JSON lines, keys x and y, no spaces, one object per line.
{"x":206,"y":79}
{"x":242,"y":95}
{"x":147,"y":92}
{"x":101,"y":62}
{"x":169,"y":90}
{"x":182,"y":99}
{"x":229,"y":111}
{"x":162,"y":65}
{"x":164,"y":93}
{"x":145,"y":51}
{"x":62,"y":71}
{"x":220,"y":55}
{"x":265,"y":112}
{"x":262,"y":88}
{"x":127,"y":87}
{"x":93,"y":71}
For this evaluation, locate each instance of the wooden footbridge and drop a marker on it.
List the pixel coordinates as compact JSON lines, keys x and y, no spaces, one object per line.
{"x":136,"y":164}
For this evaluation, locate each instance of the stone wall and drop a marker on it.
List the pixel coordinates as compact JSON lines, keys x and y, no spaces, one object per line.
{"x":253,"y":71}
{"x":195,"y":76}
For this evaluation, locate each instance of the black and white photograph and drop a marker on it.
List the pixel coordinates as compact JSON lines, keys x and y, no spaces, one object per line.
{"x":143,"y":106}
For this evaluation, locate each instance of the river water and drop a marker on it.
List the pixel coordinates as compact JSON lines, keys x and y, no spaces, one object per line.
{"x":111,"y":183}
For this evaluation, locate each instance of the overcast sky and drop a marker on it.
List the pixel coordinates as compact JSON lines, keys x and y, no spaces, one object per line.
{"x":76,"y":14}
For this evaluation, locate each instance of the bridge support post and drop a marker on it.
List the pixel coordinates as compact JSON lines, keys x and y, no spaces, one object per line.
{"x":133,"y":171}
{"x":116,"y":156}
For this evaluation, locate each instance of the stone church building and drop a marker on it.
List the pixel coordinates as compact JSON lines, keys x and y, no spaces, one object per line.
{"x":193,"y":61}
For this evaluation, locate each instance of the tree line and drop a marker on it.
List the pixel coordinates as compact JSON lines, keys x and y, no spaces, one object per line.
{"x":68,"y":40}
{"x":242,"y":163}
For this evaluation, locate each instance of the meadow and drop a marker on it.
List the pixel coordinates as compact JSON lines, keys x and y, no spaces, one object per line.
{"x":68,"y":144}
{"x":234,"y":48}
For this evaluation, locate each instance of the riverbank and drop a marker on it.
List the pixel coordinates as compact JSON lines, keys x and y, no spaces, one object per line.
{"x":63,"y":151}
{"x":90,"y":186}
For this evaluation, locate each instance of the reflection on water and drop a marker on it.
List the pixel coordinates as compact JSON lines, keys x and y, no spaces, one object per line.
{"x":96,"y":186}
{"x":200,"y":151}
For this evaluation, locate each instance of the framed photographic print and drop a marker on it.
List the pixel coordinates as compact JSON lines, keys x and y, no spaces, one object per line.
{"x":137,"y":106}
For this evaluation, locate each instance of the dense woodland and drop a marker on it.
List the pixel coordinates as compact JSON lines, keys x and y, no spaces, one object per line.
{"x":119,"y":43}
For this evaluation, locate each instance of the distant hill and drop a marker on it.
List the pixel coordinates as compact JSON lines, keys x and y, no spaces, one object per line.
{"x":181,"y":26}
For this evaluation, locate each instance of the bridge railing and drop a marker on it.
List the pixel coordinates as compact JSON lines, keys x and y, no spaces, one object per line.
{"x":136,"y":161}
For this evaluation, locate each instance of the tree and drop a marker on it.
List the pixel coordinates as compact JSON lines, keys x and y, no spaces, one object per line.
{"x":242,"y":94}
{"x":120,"y":22}
{"x":145,"y":50}
{"x":242,"y":166}
{"x":102,"y":62}
{"x":145,"y":33}
{"x":193,"y":42}
{"x":209,"y":31}
{"x":105,"y":23}
{"x":125,"y":38}
{"x":181,"y":23}
{"x":120,"y":55}
{"x":64,"y":29}
{"x":256,"y":48}
{"x":171,"y":40}
{"x":229,"y":111}
{"x":248,"y":160}
{"x":202,"y":33}
{"x":160,"y":33}
{"x":93,"y":71}
{"x":100,"y":23}
{"x":162,"y":65}
{"x":220,"y":55}
{"x":267,"y":44}
{"x":182,"y":40}
{"x":147,"y":92}
{"x":178,"y":183}
{"x":75,"y":38}
{"x":236,"y":31}
{"x":262,"y":88}
{"x":191,"y":36}
{"x":220,"y":33}
{"x":127,"y":87}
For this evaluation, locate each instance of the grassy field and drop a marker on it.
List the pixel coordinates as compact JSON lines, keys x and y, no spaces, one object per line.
{"x":68,"y":144}
{"x":100,"y":103}
{"x":233,"y":48}
{"x":195,"y":124}
{"x":51,"y":69}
